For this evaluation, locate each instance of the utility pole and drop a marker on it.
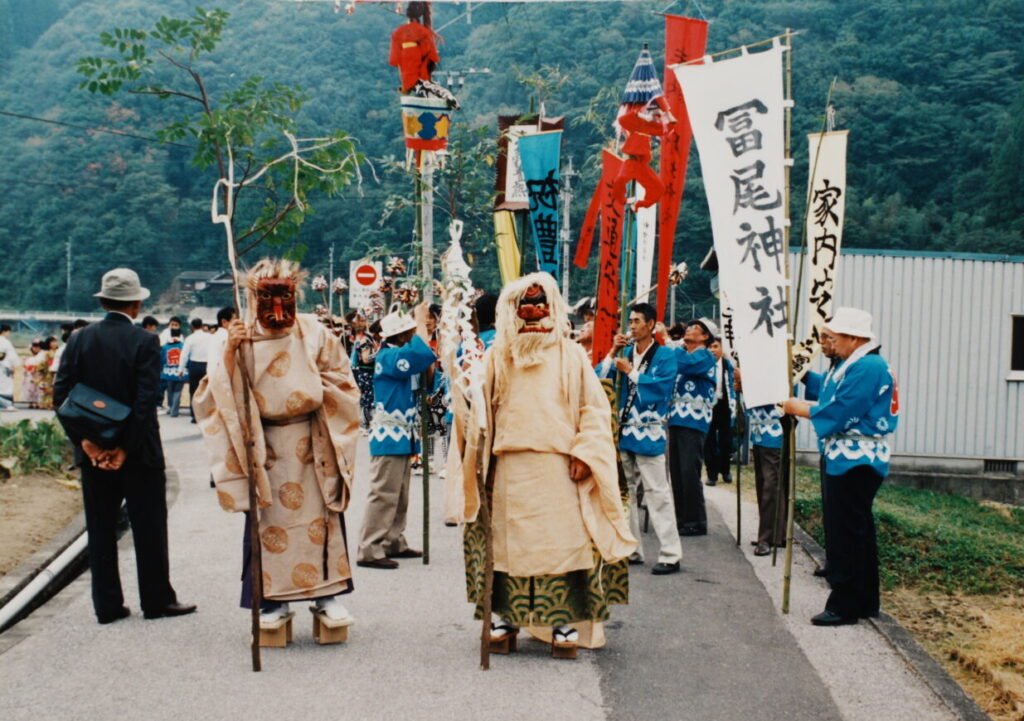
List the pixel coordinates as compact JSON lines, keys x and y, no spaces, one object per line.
{"x":330,"y":283}
{"x":67,"y":274}
{"x":567,"y":175}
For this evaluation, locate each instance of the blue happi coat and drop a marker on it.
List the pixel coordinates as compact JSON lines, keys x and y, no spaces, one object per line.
{"x":765,"y":426}
{"x":642,"y":431}
{"x":394,"y":425}
{"x":693,"y":397}
{"x":857,"y":410}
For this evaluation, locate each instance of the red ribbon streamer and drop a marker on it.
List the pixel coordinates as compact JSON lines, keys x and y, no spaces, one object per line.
{"x":685,"y":39}
{"x":606,"y":320}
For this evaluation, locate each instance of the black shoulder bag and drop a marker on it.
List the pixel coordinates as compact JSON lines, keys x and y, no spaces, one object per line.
{"x":93,"y":416}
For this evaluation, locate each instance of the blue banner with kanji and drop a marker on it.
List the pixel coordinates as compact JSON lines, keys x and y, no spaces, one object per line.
{"x":540,"y":154}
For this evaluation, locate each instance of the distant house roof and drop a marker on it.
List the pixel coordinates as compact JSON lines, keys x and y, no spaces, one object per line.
{"x":198,"y":275}
{"x":990,"y":257}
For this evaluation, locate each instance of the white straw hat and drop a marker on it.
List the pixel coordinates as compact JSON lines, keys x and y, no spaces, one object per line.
{"x":121,"y":284}
{"x":851,"y":321}
{"x":396,"y":322}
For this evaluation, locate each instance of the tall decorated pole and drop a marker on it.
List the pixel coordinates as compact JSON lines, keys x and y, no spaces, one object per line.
{"x":426,"y":121}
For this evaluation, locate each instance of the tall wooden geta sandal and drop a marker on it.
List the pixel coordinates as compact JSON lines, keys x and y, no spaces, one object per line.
{"x":277,"y":633}
{"x":327,"y":630}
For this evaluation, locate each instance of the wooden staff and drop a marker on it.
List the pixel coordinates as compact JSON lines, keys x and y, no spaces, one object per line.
{"x":255,"y":551}
{"x":484,"y":484}
{"x":227,"y":187}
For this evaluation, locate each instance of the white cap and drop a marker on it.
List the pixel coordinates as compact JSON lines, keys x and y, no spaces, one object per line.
{"x":396,"y":322}
{"x":121,"y":284}
{"x":710,"y":326}
{"x":851,"y":321}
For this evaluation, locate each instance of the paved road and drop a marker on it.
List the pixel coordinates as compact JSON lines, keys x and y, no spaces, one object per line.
{"x":705,"y":644}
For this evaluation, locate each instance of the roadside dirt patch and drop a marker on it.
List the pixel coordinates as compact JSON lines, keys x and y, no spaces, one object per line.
{"x":979,"y":640}
{"x":33,"y":509}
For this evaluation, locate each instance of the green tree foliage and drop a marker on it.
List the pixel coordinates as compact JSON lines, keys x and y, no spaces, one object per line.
{"x":238,"y":132}
{"x":926,"y":89}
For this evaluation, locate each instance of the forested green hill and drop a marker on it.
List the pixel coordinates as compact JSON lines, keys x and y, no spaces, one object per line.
{"x":931,"y":91}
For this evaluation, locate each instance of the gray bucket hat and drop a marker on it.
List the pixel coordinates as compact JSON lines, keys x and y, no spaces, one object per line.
{"x":121,"y":284}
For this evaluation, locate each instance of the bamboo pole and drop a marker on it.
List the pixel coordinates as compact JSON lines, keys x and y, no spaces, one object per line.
{"x":739,"y":468}
{"x":426,"y":376}
{"x":785,"y":36}
{"x":790,"y":449}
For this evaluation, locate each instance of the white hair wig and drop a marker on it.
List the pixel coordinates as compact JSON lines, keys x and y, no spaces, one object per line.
{"x":523,"y":350}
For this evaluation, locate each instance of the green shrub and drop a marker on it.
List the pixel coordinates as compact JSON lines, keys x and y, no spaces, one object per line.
{"x":27,"y":447}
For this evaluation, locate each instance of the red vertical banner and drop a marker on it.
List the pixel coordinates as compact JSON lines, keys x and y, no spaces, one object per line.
{"x":685,"y":39}
{"x":606,"y":320}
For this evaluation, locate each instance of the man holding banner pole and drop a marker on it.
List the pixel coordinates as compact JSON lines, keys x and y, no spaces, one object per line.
{"x":688,"y":422}
{"x":649,"y":371}
{"x":857,"y":412}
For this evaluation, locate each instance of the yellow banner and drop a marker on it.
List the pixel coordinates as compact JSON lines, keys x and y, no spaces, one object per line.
{"x":508,"y":248}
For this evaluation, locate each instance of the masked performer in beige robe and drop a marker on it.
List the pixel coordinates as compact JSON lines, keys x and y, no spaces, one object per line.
{"x":305,"y":419}
{"x":559,"y":529}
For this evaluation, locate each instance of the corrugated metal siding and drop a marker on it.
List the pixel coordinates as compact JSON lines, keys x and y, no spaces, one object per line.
{"x":944,"y":324}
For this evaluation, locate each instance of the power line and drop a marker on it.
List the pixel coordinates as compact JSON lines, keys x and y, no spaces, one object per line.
{"x":95,"y":130}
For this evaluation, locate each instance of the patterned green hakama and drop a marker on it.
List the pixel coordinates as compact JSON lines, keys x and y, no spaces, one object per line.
{"x":566,"y":598}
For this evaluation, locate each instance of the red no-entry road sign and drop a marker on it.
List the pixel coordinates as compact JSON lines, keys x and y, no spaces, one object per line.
{"x":366,"y":275}
{"x":363,"y":278}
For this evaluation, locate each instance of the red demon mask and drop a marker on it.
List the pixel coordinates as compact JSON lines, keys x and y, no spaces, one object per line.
{"x":275,"y":303}
{"x":533,"y":308}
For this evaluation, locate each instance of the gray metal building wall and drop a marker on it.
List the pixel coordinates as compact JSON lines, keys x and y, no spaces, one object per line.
{"x":944,"y":321}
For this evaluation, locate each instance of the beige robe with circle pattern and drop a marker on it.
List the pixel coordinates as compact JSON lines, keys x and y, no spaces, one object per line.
{"x":304,"y":459}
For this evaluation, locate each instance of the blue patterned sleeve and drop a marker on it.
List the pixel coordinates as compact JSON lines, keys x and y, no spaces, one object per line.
{"x":853,"y":399}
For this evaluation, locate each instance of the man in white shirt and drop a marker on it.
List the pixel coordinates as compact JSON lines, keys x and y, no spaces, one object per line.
{"x":194,"y":354}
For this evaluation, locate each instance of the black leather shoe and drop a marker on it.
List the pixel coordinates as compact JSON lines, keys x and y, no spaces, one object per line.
{"x":407,"y":553}
{"x":636,"y":561}
{"x":663,"y":569}
{"x":830,"y":618}
{"x":763,"y":549}
{"x":711,"y":482}
{"x":171,"y":609}
{"x":122,"y":612}
{"x":726,"y":478}
{"x":378,"y":563}
{"x":821,"y":572}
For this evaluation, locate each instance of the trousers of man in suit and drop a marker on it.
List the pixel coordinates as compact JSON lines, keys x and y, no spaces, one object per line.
{"x":143,"y":490}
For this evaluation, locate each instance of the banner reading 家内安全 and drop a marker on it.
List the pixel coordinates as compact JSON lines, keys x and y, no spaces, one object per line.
{"x":646,"y":229}
{"x":736,"y":111}
{"x":540,"y":154}
{"x":826,"y":196}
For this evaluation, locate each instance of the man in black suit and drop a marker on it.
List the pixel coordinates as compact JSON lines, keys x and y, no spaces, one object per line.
{"x":122,"y":361}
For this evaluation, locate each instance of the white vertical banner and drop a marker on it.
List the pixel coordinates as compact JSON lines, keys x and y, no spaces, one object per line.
{"x":515,"y":181}
{"x":736,"y":110}
{"x":826,"y":195}
{"x":646,"y":232}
